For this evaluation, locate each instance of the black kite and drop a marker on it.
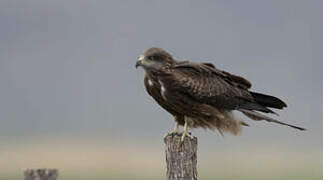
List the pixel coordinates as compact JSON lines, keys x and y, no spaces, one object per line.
{"x":200,"y":95}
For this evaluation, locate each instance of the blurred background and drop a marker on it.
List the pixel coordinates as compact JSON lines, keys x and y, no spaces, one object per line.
{"x":71,"y":98}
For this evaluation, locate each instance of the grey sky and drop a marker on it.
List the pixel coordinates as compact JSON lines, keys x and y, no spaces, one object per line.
{"x":67,"y":67}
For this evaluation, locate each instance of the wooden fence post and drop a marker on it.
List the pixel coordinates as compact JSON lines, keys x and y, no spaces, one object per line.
{"x":41,"y":174}
{"x":181,"y":158}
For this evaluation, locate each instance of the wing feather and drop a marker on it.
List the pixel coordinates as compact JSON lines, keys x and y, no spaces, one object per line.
{"x":230,"y":78}
{"x":209,"y":85}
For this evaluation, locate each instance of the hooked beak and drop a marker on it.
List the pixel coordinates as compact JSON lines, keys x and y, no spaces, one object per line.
{"x":139,"y":62}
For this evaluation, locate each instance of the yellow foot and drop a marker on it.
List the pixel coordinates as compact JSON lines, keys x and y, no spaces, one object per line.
{"x":188,"y":134}
{"x":185,"y":132}
{"x":173,"y":133}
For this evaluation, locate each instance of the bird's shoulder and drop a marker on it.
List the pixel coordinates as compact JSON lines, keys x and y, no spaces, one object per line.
{"x":208,"y":70}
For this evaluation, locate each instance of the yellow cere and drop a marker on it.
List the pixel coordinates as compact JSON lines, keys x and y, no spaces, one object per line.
{"x":141,"y":58}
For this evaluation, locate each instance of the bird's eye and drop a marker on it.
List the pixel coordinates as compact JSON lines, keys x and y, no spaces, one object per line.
{"x":154,"y":58}
{"x":150,"y":57}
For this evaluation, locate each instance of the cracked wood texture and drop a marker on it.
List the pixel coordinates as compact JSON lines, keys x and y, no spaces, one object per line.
{"x":41,"y":174}
{"x":181,"y":157}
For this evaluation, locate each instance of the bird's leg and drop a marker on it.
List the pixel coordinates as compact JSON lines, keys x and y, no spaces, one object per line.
{"x":185,"y":132}
{"x":175,"y":128}
{"x":175,"y":131}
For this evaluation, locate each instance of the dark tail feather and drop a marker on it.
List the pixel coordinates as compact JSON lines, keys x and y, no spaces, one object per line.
{"x":256,"y":107}
{"x":258,"y":117}
{"x":268,"y":101}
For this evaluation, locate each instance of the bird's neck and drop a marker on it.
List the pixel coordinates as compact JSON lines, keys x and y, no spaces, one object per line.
{"x":156,"y":73}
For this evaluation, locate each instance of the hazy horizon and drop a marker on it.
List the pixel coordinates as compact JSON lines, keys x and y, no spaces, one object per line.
{"x":67,"y":71}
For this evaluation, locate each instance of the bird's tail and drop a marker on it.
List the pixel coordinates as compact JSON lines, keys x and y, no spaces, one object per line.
{"x":258,"y":117}
{"x":268,"y":101}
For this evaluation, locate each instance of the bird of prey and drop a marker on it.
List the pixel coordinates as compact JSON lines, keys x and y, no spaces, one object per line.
{"x":200,"y":95}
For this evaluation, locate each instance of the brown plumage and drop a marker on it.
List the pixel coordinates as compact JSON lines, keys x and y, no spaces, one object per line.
{"x":201,"y":95}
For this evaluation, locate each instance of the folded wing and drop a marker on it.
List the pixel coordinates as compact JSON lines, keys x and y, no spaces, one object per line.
{"x":206,"y":84}
{"x":209,"y":85}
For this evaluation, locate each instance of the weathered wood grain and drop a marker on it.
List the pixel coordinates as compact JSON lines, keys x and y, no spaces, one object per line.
{"x":181,"y":158}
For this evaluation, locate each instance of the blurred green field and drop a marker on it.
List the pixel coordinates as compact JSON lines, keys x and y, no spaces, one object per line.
{"x":85,"y":160}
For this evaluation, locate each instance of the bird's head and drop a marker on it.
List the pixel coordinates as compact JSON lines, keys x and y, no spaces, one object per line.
{"x":154,"y":58}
